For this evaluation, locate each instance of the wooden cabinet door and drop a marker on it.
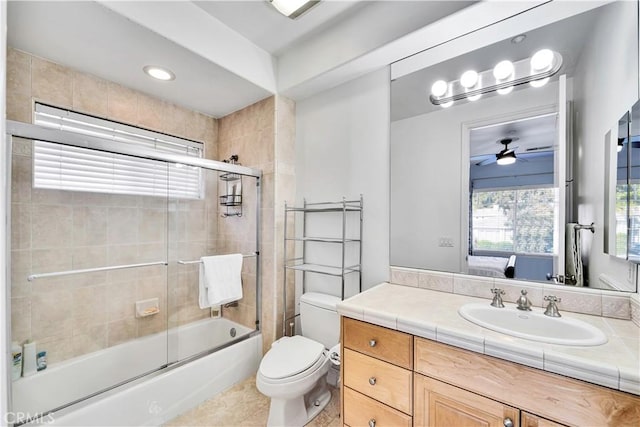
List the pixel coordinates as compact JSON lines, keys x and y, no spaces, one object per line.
{"x":530,"y":420}
{"x":437,"y":404}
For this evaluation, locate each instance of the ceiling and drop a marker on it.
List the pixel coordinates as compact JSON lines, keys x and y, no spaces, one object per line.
{"x":410,"y":93}
{"x":226,"y":55}
{"x":261,"y":23}
{"x":534,"y":135}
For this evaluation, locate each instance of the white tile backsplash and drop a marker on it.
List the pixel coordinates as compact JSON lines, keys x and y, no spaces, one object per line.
{"x":577,"y":300}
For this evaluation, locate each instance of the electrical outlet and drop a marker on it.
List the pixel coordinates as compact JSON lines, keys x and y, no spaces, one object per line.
{"x":445,"y":242}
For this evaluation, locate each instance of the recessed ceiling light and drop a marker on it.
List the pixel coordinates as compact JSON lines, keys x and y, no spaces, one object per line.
{"x":159,"y":72}
{"x":518,"y":39}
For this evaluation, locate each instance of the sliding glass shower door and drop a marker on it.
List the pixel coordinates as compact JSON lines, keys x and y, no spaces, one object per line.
{"x":89,"y":279}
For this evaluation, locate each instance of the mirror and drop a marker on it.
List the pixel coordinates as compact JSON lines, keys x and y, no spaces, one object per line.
{"x":617,"y":156}
{"x":451,"y":202}
{"x":622,"y":190}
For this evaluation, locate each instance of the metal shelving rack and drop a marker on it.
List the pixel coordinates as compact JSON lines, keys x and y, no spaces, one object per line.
{"x":346,"y":207}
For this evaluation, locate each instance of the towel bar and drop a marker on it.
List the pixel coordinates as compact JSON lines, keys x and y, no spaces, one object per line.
{"x":197,"y":261}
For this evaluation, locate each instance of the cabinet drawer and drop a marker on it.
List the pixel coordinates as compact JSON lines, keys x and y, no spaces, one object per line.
{"x":383,"y":381}
{"x":360,"y":410}
{"x":382,"y":343}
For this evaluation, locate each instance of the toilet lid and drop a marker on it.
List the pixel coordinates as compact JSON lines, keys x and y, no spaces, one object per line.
{"x":290,"y":357}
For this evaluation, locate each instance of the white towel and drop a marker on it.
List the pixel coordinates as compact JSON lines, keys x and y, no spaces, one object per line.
{"x":220,"y":279}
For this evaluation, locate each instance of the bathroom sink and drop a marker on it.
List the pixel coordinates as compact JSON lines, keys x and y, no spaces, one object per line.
{"x":533,"y":325}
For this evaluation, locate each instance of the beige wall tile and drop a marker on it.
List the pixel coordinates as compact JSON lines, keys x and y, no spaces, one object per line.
{"x":150,"y":112}
{"x":51,"y":82}
{"x":175,"y":120}
{"x":90,"y":94}
{"x":20,"y":226}
{"x":20,"y":318}
{"x":122,"y":225}
{"x":51,"y":226}
{"x":19,"y":108}
{"x":89,"y":306}
{"x":89,"y":225}
{"x":121,"y":331}
{"x":50,"y":314}
{"x":18,"y":72}
{"x":122,"y":103}
{"x":21,"y":171}
{"x":89,"y":338}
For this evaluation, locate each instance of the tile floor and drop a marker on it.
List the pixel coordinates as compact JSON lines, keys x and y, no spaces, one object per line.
{"x":244,"y":406}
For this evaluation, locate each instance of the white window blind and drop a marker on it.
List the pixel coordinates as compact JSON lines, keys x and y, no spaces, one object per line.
{"x":63,"y":167}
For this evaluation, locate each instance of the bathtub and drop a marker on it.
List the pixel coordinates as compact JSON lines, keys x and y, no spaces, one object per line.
{"x":151,"y":399}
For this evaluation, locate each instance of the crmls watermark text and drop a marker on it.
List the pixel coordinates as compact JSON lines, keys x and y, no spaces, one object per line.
{"x":20,"y":417}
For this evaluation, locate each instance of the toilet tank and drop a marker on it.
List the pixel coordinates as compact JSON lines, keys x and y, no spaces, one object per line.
{"x":319,"y":319}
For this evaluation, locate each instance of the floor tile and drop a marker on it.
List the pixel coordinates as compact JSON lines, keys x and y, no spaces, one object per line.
{"x":244,"y":406}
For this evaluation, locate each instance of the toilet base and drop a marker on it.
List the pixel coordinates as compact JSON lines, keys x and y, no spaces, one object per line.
{"x":299,"y":411}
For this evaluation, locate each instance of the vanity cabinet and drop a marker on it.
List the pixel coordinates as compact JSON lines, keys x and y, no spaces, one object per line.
{"x":390,"y":378}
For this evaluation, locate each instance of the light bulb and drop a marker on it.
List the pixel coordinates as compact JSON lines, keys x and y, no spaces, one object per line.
{"x":619,"y":148}
{"x":469,"y":79}
{"x":539,"y":83}
{"x":506,"y":161}
{"x":505,"y":90}
{"x":503,"y":70}
{"x":541,"y":60}
{"x":439,"y":88}
{"x":474,"y":97}
{"x":447,"y":104}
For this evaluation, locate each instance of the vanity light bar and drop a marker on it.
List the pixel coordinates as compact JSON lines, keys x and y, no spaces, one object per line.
{"x":522,"y":73}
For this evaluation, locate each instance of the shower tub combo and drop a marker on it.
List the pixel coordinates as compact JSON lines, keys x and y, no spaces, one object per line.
{"x":151,"y":378}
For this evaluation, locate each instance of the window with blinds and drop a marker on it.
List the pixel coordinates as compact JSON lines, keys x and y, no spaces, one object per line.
{"x":65,"y":167}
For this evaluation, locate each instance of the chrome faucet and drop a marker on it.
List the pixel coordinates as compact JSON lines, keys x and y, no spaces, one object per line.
{"x":497,"y":297}
{"x":552,"y":308}
{"x":524,"y":303}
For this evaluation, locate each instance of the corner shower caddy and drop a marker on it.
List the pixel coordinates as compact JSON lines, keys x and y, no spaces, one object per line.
{"x":231,"y":198}
{"x":301,"y":263}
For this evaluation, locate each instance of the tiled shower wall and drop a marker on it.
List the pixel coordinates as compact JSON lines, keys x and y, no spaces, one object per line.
{"x":62,"y":230}
{"x":263,"y":135}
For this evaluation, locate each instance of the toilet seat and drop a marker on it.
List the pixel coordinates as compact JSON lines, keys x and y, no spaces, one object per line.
{"x":290,"y":357}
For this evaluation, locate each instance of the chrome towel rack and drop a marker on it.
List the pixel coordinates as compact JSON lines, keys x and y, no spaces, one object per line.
{"x":92,"y":270}
{"x":197,"y":261}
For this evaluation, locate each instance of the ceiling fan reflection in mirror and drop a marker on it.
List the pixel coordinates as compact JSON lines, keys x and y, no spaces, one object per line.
{"x":508,"y":156}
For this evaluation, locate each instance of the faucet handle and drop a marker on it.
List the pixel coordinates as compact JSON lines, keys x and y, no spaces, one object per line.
{"x":497,"y":297}
{"x":552,"y":308}
{"x":552,"y":298}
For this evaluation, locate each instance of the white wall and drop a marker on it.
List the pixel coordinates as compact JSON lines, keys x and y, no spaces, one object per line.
{"x":4,"y":314}
{"x":606,"y":85}
{"x":426,"y":185}
{"x":342,"y":149}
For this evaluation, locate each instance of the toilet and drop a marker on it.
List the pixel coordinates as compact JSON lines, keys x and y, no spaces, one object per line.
{"x":293,"y":372}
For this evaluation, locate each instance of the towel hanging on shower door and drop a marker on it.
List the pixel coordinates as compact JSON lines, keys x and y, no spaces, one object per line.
{"x":220,"y":280}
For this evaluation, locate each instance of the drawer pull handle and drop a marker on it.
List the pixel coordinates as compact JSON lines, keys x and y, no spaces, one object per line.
{"x":372,"y":380}
{"x":372,"y":423}
{"x":372,"y":343}
{"x":507,"y":422}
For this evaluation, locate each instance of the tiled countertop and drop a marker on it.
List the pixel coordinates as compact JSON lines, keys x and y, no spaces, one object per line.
{"x":434,"y":315}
